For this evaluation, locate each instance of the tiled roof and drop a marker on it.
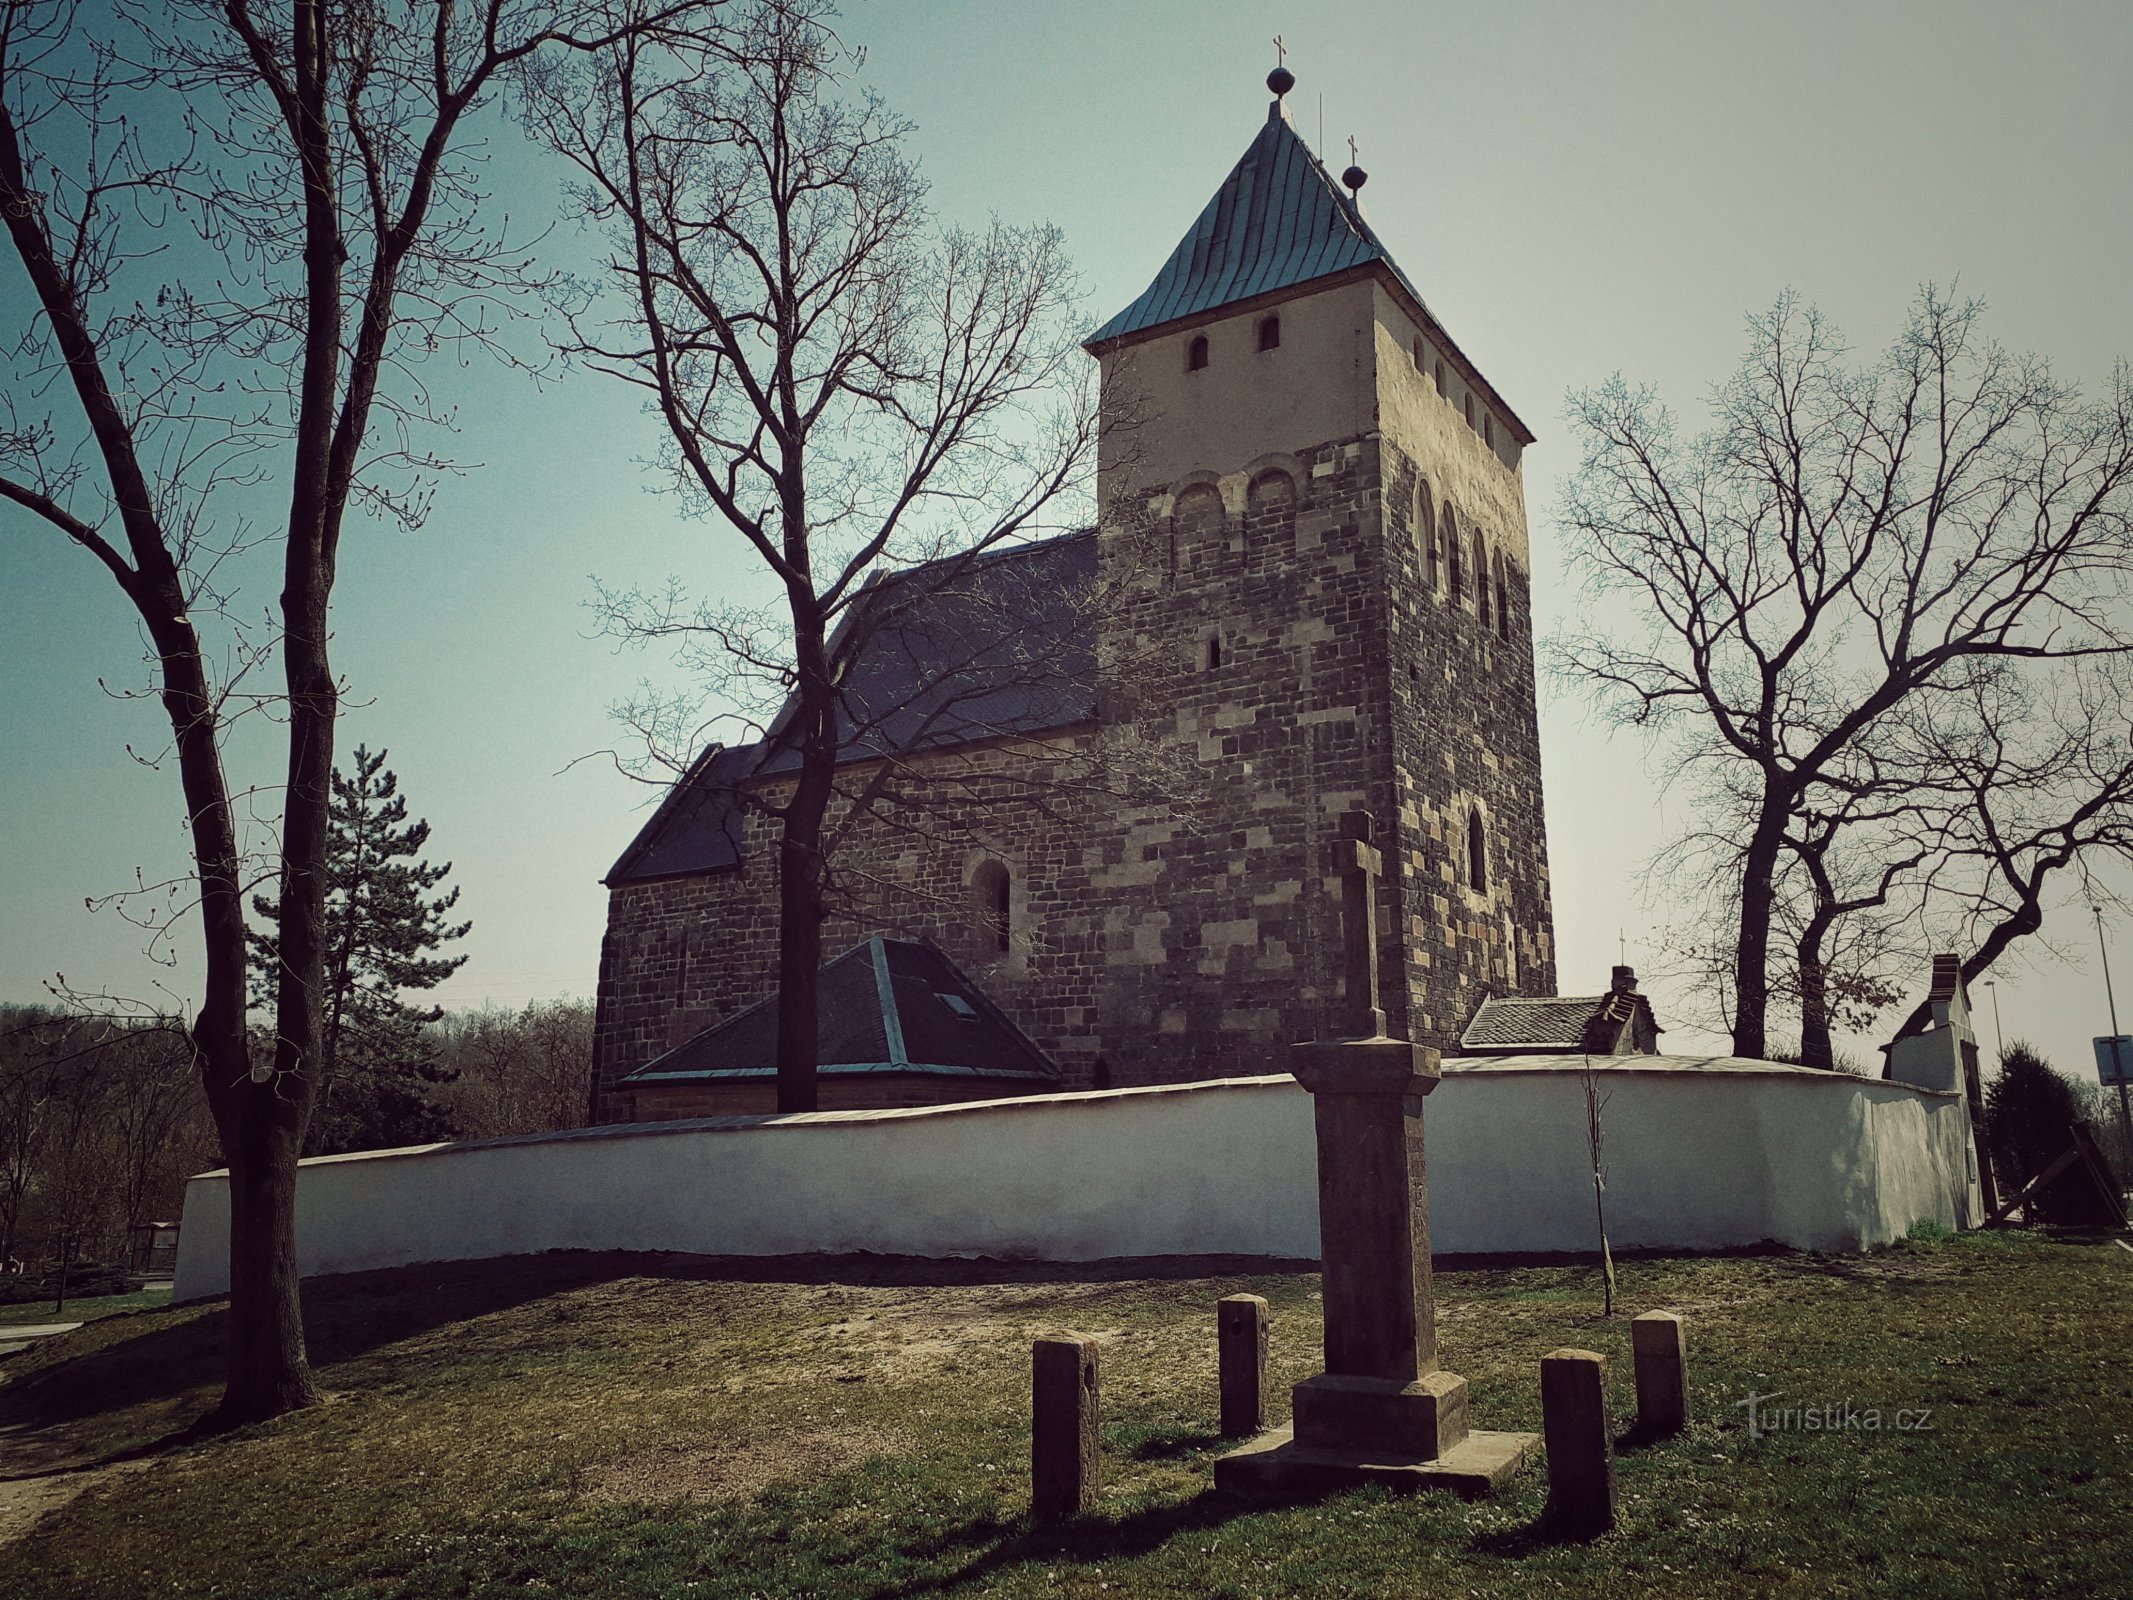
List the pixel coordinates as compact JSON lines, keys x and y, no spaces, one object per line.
{"x":957,"y":650}
{"x":1557,"y":1022}
{"x":886,"y":1005}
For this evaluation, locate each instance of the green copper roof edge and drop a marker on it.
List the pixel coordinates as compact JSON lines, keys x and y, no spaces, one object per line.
{"x":844,"y":1068}
{"x":891,"y":1023}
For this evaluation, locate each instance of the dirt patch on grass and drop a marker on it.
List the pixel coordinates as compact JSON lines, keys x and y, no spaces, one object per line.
{"x":24,"y":1500}
{"x":738,"y":1470}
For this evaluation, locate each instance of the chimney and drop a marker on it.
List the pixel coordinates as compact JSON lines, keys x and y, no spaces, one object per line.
{"x":1625,"y":980}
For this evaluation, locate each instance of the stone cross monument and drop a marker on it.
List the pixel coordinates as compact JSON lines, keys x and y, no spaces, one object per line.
{"x":1383,"y":1411}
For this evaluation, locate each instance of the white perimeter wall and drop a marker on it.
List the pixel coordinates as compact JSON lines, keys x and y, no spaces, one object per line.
{"x":1699,"y":1155}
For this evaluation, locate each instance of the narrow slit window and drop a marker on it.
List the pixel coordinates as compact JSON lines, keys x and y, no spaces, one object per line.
{"x":1503,"y":602}
{"x":993,"y":907}
{"x":1488,"y":429}
{"x":1451,"y":550}
{"x":1481,"y":580}
{"x":1477,"y":861}
{"x":1214,"y":652}
{"x":1440,"y":377}
{"x":1470,"y":408}
{"x":1270,"y":334}
{"x":1416,"y":355}
{"x":1426,"y":529}
{"x":1196,"y":354}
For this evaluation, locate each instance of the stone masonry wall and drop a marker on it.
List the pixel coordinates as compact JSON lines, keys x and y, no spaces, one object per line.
{"x":1259,"y":644}
{"x":683,"y":953}
{"x":1465,"y":714}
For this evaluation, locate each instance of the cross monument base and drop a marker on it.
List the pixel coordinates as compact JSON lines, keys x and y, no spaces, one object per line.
{"x":1276,"y":1466}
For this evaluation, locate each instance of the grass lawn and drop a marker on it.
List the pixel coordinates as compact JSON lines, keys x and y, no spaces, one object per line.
{"x":102,"y":1305}
{"x":644,"y":1426}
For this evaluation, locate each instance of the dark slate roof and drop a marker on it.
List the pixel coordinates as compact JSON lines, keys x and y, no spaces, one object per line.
{"x":1552,"y":1022}
{"x":1279,"y":220}
{"x":887,"y":1005}
{"x":957,"y":650}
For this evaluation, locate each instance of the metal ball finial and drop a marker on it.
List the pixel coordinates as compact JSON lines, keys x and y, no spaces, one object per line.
{"x":1355,"y":178}
{"x":1281,"y":80}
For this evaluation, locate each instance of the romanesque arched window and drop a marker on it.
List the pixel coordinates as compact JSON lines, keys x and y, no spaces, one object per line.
{"x":991,"y":908}
{"x":1481,"y":579}
{"x":1426,"y":532}
{"x":1196,"y":524}
{"x":1488,"y":428}
{"x":1269,"y":509}
{"x":1440,"y":378}
{"x":1418,"y":356}
{"x":1503,"y":601}
{"x":1477,"y":860}
{"x":1470,"y":408}
{"x":1270,"y":333}
{"x":1196,"y":354}
{"x":1451,"y":552}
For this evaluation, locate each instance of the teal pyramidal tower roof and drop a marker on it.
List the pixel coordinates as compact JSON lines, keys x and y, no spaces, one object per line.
{"x":1279,"y":221}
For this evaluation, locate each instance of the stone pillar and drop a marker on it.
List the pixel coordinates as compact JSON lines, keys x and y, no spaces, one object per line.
{"x":1240,"y":1326}
{"x":1662,"y":1357}
{"x":1581,"y":1448}
{"x":1381,"y":1389}
{"x":1382,"y":1411}
{"x":1065,"y":1469}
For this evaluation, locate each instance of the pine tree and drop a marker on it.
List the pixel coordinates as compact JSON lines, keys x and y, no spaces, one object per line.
{"x":383,"y":924}
{"x":2030,"y":1110}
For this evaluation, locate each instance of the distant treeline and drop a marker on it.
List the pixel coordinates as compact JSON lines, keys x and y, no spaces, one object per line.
{"x":102,"y":1120}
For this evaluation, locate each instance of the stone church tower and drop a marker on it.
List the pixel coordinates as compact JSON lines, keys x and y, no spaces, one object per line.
{"x":1320,"y":497}
{"x":1310,"y":598}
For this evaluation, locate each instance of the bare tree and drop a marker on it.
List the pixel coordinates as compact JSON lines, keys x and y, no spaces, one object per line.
{"x":1842,"y":551}
{"x":25,"y":1091}
{"x":850,"y":391}
{"x":2020,"y":783}
{"x":526,"y":1071}
{"x":1595,"y":1146}
{"x":242,"y":232}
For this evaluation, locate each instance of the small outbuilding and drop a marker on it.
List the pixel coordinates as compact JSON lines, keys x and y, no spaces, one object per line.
{"x":1617,"y":1023}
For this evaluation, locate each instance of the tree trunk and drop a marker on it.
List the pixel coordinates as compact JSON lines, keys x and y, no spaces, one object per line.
{"x":800,"y":877}
{"x":1751,"y":962}
{"x":269,"y":1369}
{"x":1817,"y":1049}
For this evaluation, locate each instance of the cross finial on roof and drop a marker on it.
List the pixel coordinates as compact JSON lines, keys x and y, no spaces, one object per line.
{"x":1281,"y":80}
{"x":1351,"y":148}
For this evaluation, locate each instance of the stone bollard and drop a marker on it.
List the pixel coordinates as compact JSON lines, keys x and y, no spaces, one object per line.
{"x":1064,"y":1469}
{"x":1662,"y":1374}
{"x":1240,"y":1324}
{"x":1581,"y":1449}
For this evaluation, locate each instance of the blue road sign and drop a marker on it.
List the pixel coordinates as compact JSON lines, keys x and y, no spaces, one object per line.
{"x":2121,"y":1070}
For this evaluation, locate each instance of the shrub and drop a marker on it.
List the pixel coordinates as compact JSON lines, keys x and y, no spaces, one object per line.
{"x":2029,"y":1112}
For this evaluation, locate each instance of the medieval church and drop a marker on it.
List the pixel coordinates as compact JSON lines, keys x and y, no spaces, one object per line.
{"x":1313,"y":570}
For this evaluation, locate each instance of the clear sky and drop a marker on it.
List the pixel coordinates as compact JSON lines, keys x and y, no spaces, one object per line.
{"x":1576,"y":189}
